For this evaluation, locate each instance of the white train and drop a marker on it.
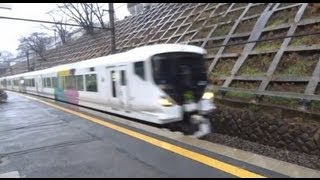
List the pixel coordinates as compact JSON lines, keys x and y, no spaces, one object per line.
{"x":161,"y":83}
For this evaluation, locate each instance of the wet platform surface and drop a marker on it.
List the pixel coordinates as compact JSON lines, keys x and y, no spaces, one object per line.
{"x":41,"y":141}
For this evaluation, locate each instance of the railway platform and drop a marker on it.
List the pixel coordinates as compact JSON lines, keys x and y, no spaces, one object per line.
{"x":43,"y":138}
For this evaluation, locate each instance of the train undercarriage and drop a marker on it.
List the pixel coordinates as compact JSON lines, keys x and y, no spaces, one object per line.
{"x":195,"y":124}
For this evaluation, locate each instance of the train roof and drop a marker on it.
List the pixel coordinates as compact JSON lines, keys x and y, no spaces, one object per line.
{"x":128,"y":56}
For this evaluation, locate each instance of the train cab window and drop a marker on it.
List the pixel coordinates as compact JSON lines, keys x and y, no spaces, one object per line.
{"x":79,"y":83}
{"x":91,"y":82}
{"x":54,"y":82}
{"x":139,"y":69}
{"x":123,"y":78}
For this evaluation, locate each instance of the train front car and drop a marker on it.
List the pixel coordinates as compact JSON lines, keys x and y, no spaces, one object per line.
{"x":182,"y":77}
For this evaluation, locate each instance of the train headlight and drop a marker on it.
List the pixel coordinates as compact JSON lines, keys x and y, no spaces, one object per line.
{"x":208,"y":95}
{"x":165,"y":101}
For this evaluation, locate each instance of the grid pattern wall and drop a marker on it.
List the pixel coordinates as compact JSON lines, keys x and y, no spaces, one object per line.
{"x":287,"y":67}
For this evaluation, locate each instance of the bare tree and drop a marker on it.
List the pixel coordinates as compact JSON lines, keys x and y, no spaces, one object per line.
{"x":99,"y":13}
{"x":84,"y":14}
{"x":5,"y":59}
{"x":60,"y":27}
{"x":5,"y":55}
{"x":37,"y":43}
{"x":24,"y":50}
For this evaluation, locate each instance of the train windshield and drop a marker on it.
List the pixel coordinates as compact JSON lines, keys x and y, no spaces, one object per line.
{"x":180,"y":72}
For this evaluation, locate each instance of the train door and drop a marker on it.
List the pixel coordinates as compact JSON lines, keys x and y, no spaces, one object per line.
{"x":123,"y":86}
{"x":114,"y":100}
{"x":39,"y":85}
{"x":22,"y":85}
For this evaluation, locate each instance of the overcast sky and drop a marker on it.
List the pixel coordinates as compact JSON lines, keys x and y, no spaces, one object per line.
{"x":12,"y":30}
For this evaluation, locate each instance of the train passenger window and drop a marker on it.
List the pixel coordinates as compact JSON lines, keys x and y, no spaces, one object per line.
{"x":61,"y":82}
{"x":70,"y":82}
{"x":139,"y":69}
{"x":54,"y":82}
{"x":73,"y":82}
{"x":48,"y":81}
{"x":67,"y":82}
{"x":79,"y":83}
{"x":44,"y":84}
{"x":91,"y":82}
{"x":123,"y":78}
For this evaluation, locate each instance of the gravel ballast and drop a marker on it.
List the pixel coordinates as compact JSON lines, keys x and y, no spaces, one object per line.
{"x":302,"y":159}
